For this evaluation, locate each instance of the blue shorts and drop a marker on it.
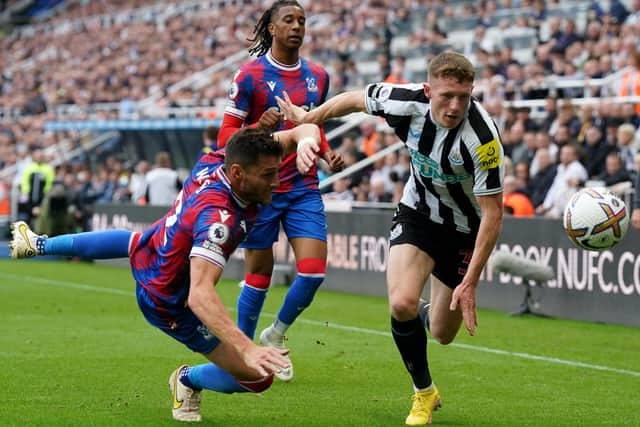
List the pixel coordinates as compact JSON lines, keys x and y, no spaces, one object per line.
{"x":178,"y":322}
{"x":301,"y":214}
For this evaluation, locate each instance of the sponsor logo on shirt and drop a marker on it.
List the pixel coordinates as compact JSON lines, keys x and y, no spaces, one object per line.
{"x":218,"y":233}
{"x":429,"y":168}
{"x":489,"y":155}
{"x":224,"y":215}
{"x":312,"y":86}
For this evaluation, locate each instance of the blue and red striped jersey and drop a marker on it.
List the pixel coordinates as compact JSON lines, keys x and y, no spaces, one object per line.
{"x":207,"y":220}
{"x":253,"y":92}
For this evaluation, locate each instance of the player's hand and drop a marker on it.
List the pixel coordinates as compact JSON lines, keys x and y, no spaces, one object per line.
{"x":465,"y":296}
{"x":306,"y":156}
{"x":292,"y":112}
{"x":271,"y":119}
{"x":334,"y":160}
{"x":265,"y":360}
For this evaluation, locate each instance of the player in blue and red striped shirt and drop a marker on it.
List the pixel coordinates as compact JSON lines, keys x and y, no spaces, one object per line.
{"x":179,"y":259}
{"x":296,"y":204}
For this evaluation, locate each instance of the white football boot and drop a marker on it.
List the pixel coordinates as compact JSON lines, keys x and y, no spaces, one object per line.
{"x":186,"y":401}
{"x":269,"y":337}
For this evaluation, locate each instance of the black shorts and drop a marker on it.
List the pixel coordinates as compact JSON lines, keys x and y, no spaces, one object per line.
{"x":450,"y":249}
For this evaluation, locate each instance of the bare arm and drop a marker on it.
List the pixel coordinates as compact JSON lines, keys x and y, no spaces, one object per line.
{"x":289,"y":138}
{"x":490,"y":226}
{"x":206,"y":304}
{"x":305,"y":140}
{"x":339,"y":105}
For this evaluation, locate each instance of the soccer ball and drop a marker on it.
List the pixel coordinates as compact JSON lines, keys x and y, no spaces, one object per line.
{"x":595,"y":219}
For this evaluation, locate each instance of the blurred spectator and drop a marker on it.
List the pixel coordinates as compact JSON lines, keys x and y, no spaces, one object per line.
{"x":625,"y":138}
{"x":566,"y":117}
{"x":566,"y":38}
{"x":370,"y":138}
{"x":37,"y":179}
{"x":543,"y":140}
{"x":595,"y":150}
{"x":521,"y":173}
{"x":163,"y":183}
{"x":210,"y":139}
{"x":340,"y":191}
{"x":525,"y":151}
{"x":541,"y":181}
{"x":361,"y":191}
{"x":398,"y":71}
{"x":569,"y":175}
{"x":55,"y":213}
{"x":138,"y":183}
{"x":5,"y":209}
{"x":614,"y":172}
{"x":630,"y":84}
{"x":635,"y":215}
{"x":378,"y":192}
{"x":634,"y":16}
{"x":515,"y":202}
{"x":551,"y":113}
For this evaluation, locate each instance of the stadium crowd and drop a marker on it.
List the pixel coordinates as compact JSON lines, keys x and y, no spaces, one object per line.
{"x":93,"y":53}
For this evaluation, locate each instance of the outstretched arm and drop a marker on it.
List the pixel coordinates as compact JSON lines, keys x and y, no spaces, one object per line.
{"x":206,"y":304}
{"x":490,"y":226}
{"x":339,"y":105}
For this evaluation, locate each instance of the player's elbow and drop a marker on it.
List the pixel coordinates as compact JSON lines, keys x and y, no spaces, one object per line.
{"x":195,"y":300}
{"x":442,"y":335}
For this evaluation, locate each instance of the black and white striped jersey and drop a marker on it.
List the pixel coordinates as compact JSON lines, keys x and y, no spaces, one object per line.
{"x":449,"y":167}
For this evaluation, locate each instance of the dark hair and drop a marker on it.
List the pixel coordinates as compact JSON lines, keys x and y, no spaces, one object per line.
{"x":262,"y":40}
{"x":248,"y":145}
{"x":211,"y":133}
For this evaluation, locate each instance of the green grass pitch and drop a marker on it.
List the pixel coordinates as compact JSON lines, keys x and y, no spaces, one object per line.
{"x":75,"y":351}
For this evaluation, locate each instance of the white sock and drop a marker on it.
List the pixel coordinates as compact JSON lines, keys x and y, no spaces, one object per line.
{"x":416,"y":389}
{"x":279,"y":327}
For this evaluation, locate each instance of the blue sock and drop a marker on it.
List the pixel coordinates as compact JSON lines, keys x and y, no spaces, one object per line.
{"x":212,"y":377}
{"x":250,"y":302}
{"x":299,"y":297}
{"x":93,"y":245}
{"x":184,"y":378}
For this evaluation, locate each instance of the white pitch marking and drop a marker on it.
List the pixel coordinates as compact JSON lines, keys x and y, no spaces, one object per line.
{"x":553,"y":360}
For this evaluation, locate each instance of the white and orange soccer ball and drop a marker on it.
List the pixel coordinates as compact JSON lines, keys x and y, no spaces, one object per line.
{"x":595,"y":219}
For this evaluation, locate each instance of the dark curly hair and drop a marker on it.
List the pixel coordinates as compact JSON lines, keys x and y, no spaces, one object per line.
{"x":262,"y":40}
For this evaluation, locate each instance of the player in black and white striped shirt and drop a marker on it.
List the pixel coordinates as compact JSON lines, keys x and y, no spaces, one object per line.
{"x":450,"y":214}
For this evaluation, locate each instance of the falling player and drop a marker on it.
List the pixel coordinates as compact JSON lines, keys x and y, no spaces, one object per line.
{"x":178,"y":260}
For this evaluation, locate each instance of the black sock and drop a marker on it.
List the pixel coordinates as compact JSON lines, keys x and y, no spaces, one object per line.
{"x":423,"y":312}
{"x":411,"y":340}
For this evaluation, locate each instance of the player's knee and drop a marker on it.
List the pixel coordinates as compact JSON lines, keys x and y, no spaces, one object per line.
{"x":403,"y":308}
{"x":441,"y":335}
{"x":313,"y":269}
{"x":257,"y":386}
{"x":258,"y":281}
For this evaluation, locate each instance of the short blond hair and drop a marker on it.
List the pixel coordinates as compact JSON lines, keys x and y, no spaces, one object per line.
{"x":452,"y":64}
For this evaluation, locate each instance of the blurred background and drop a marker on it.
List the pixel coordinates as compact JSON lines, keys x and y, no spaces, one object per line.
{"x":96,"y":95}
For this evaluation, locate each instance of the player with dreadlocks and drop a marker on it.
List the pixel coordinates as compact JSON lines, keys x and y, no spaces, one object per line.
{"x":296,"y":203}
